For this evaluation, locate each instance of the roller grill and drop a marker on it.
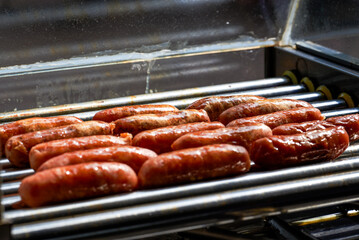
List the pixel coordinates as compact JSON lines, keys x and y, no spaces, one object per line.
{"x":78,"y":57}
{"x":190,"y":206}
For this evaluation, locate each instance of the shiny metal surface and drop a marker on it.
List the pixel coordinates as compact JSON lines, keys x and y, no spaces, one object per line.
{"x":340,"y":112}
{"x":234,"y":199}
{"x":14,"y":174}
{"x":330,"y":104}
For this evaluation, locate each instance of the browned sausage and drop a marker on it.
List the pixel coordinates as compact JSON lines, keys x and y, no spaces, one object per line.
{"x":295,"y":128}
{"x":139,"y":123}
{"x":215,"y":105}
{"x":112,"y":114}
{"x":194,"y":164}
{"x":31,"y":125}
{"x":44,"y":151}
{"x":129,"y":155}
{"x":349,"y":122}
{"x":17,"y":148}
{"x":276,"y":119}
{"x":259,"y":108}
{"x":161,"y":139}
{"x":284,"y":150}
{"x":243,"y":135}
{"x":76,"y":182}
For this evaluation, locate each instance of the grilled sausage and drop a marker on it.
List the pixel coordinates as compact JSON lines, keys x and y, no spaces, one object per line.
{"x":76,"y":182}
{"x":129,"y":155}
{"x":31,"y":125}
{"x":243,"y":135}
{"x":139,"y":123}
{"x":259,"y":108}
{"x":349,"y":122}
{"x":17,"y":148}
{"x":295,"y":128}
{"x":284,"y":150}
{"x":44,"y":151}
{"x":161,"y":139}
{"x":215,"y":105}
{"x":194,"y":164}
{"x":112,"y":114}
{"x":276,"y":119}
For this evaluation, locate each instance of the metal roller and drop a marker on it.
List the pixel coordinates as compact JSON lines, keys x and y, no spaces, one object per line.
{"x":14,"y":174}
{"x":233,"y":199}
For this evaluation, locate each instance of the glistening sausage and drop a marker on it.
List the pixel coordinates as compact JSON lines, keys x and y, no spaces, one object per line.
{"x":276,"y":119}
{"x":349,"y":122}
{"x":285,"y":150}
{"x":76,"y":182}
{"x":17,"y":148}
{"x":112,"y":114}
{"x":44,"y":151}
{"x":259,"y":108}
{"x":242,"y":135}
{"x":31,"y":125}
{"x":129,"y":155}
{"x":161,"y":139}
{"x":139,"y":123}
{"x":215,"y":105}
{"x":194,"y":164}
{"x":295,"y":128}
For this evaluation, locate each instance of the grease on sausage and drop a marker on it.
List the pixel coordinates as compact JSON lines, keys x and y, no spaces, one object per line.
{"x":31,"y":125}
{"x":112,"y":114}
{"x":276,"y":119}
{"x":18,"y":147}
{"x":76,"y":182}
{"x":295,"y":128}
{"x":194,"y":164}
{"x":285,"y":150}
{"x":139,"y":123}
{"x":259,"y":108}
{"x":215,"y":105}
{"x":129,"y":155}
{"x":349,"y":122}
{"x":161,"y":139}
{"x":44,"y":151}
{"x":243,"y":135}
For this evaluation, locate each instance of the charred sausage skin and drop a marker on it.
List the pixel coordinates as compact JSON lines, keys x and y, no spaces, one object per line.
{"x":112,"y":114}
{"x":31,"y":125}
{"x":243,"y":135}
{"x":259,"y":108}
{"x":44,"y":151}
{"x":76,"y":182}
{"x":285,"y":150}
{"x":18,"y":147}
{"x":129,"y":155}
{"x":161,"y":139}
{"x":138,"y":123}
{"x":215,"y":105}
{"x":276,"y":119}
{"x":194,"y":164}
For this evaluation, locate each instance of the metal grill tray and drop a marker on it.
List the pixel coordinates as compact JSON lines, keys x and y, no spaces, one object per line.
{"x":203,"y":203}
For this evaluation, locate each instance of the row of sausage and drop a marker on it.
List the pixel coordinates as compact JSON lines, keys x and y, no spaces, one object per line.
{"x":214,"y":137}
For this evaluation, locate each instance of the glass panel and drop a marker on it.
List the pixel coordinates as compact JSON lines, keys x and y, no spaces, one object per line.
{"x":41,"y":31}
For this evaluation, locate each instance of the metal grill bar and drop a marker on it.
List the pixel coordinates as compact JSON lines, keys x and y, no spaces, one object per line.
{"x":234,"y":199}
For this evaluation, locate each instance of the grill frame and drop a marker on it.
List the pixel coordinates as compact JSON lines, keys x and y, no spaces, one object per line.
{"x":217,"y":201}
